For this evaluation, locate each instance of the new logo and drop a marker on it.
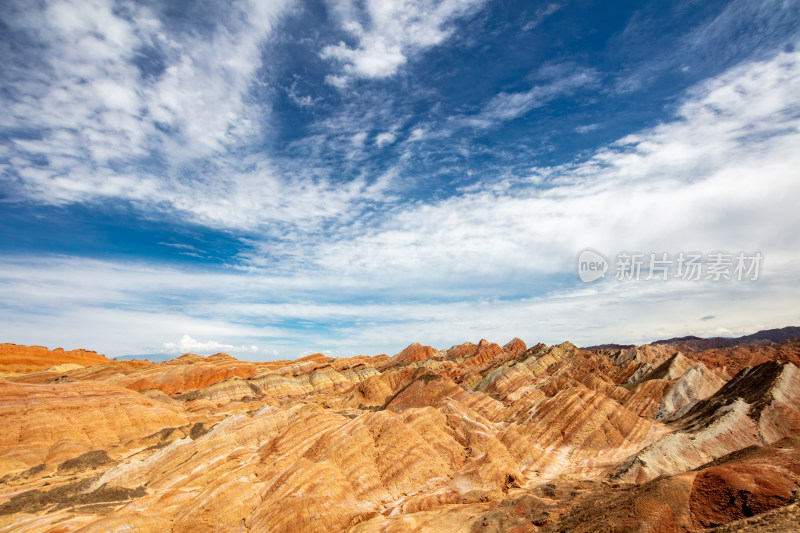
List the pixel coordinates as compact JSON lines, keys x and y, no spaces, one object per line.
{"x":592,"y":265}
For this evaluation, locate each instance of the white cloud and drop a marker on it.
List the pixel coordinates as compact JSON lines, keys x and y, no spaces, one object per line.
{"x":508,"y":106}
{"x":382,"y":139}
{"x":189,"y":345}
{"x":359,"y":138}
{"x":393,"y":30}
{"x":586,"y":128}
{"x":298,"y":99}
{"x":340,"y":82}
{"x":721,"y":175}
{"x":180,"y":246}
{"x":541,"y":14}
{"x":82,"y":303}
{"x":65,"y":301}
{"x":376,"y":59}
{"x":558,"y":80}
{"x":417,"y":134}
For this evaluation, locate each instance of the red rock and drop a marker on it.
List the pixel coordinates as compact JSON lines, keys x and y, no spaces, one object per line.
{"x":52,"y":423}
{"x":413,"y":353}
{"x":17,"y":359}
{"x":515,"y":346}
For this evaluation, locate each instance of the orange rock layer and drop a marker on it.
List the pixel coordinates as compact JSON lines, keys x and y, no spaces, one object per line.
{"x":17,"y":359}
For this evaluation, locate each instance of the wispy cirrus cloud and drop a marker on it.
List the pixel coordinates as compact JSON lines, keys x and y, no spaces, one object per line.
{"x":113,"y":79}
{"x":698,"y":181}
{"x":735,"y":29}
{"x":386,"y":32}
{"x":541,"y":14}
{"x":122,"y":107}
{"x":510,"y":105}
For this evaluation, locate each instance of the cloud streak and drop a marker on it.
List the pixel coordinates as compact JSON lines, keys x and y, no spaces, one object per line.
{"x":508,"y":106}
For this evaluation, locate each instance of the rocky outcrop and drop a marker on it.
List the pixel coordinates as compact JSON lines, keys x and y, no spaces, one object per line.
{"x":745,"y":484}
{"x":53,"y":423}
{"x":16,"y":359}
{"x":413,"y":353}
{"x":759,"y":405}
{"x":755,"y":480}
{"x":187,"y":373}
{"x":730,"y":361}
{"x":696,"y":383}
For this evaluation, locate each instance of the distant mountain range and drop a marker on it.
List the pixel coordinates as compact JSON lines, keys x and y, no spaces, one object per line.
{"x":691,"y":342}
{"x":698,"y":343}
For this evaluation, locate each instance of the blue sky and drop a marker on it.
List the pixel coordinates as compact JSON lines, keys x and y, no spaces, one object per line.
{"x":272,"y":179}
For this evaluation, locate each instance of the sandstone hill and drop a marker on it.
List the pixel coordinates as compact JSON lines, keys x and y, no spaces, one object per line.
{"x":477,"y":437}
{"x":16,"y":359}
